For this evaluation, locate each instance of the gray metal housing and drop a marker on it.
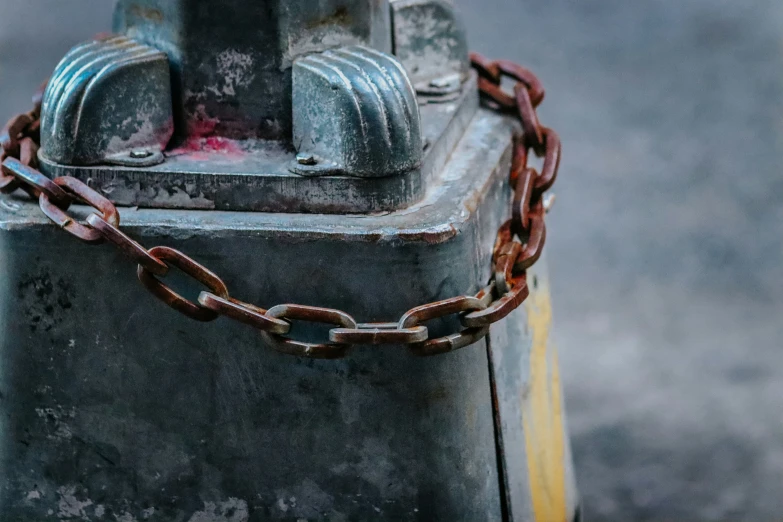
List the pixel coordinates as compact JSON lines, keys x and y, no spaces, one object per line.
{"x":249,"y":90}
{"x":116,"y":406}
{"x":231,"y":60}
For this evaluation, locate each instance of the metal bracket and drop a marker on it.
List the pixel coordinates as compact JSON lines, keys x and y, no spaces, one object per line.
{"x":86,"y":115}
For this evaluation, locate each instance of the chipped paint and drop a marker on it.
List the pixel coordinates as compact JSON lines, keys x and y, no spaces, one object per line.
{"x":235,"y":69}
{"x":87,"y":117}
{"x":68,"y":506}
{"x":231,"y":510}
{"x":141,"y":132}
{"x":56,"y":418}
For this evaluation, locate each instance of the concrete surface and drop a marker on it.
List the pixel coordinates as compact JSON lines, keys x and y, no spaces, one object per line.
{"x":665,"y":242}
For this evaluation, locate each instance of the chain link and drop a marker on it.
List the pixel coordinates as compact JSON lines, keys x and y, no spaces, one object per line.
{"x":518,"y":246}
{"x":312,"y":314}
{"x":190,"y":267}
{"x":379,"y":333}
{"x":244,"y":313}
{"x":79,"y":192}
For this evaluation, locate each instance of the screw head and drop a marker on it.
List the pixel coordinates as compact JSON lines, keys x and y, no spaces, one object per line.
{"x":140,"y":154}
{"x":305,"y":158}
{"x":450,"y":81}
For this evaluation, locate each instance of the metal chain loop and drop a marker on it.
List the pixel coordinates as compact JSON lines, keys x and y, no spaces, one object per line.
{"x":491,"y":74}
{"x":500,"y":308}
{"x":79,"y":192}
{"x":36,"y":183}
{"x":551,"y":153}
{"x":534,"y":245}
{"x":518,"y":246}
{"x":10,"y":135}
{"x":244,"y":313}
{"x":531,"y":128}
{"x":437,"y":310}
{"x":379,"y":333}
{"x":520,"y":207}
{"x":311,"y":314}
{"x":525,"y":76}
{"x":133,"y":250}
{"x":192,"y":268}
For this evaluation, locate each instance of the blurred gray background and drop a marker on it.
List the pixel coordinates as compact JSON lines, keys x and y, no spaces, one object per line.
{"x":665,"y":243}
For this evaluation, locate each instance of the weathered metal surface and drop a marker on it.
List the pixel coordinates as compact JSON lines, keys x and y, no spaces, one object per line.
{"x":355,"y":113}
{"x":116,"y":406}
{"x":109,"y":101}
{"x":518,"y":245}
{"x":231,"y":60}
{"x":216,"y":173}
{"x":224,"y":414}
{"x":234,"y":106}
{"x":431,"y":42}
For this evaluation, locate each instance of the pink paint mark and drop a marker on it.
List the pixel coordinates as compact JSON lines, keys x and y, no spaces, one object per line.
{"x":202,"y":148}
{"x":199,"y":128}
{"x":202,"y":145}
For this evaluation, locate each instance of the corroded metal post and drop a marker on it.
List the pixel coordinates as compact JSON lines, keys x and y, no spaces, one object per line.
{"x":327,"y":153}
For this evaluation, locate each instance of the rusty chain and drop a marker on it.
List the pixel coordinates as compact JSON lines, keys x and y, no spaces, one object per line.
{"x":519,"y":243}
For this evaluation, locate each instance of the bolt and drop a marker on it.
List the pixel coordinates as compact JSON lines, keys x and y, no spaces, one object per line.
{"x":140,"y":154}
{"x":449,"y":81}
{"x":305,"y":158}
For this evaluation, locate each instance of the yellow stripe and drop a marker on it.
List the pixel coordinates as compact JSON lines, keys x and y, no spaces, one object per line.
{"x":543,"y":416}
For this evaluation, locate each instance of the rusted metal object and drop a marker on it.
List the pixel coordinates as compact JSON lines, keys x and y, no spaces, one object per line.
{"x":244,"y":313}
{"x":35,"y":183}
{"x":378,"y":333}
{"x":448,"y":244}
{"x":80,"y":193}
{"x":132,"y":249}
{"x":192,"y":268}
{"x":312,"y":314}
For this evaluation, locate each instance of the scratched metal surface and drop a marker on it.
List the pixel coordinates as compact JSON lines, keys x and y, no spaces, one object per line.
{"x":257,"y":177}
{"x":668,"y":318}
{"x":115,"y":406}
{"x":269,"y":35}
{"x":262,"y":86}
